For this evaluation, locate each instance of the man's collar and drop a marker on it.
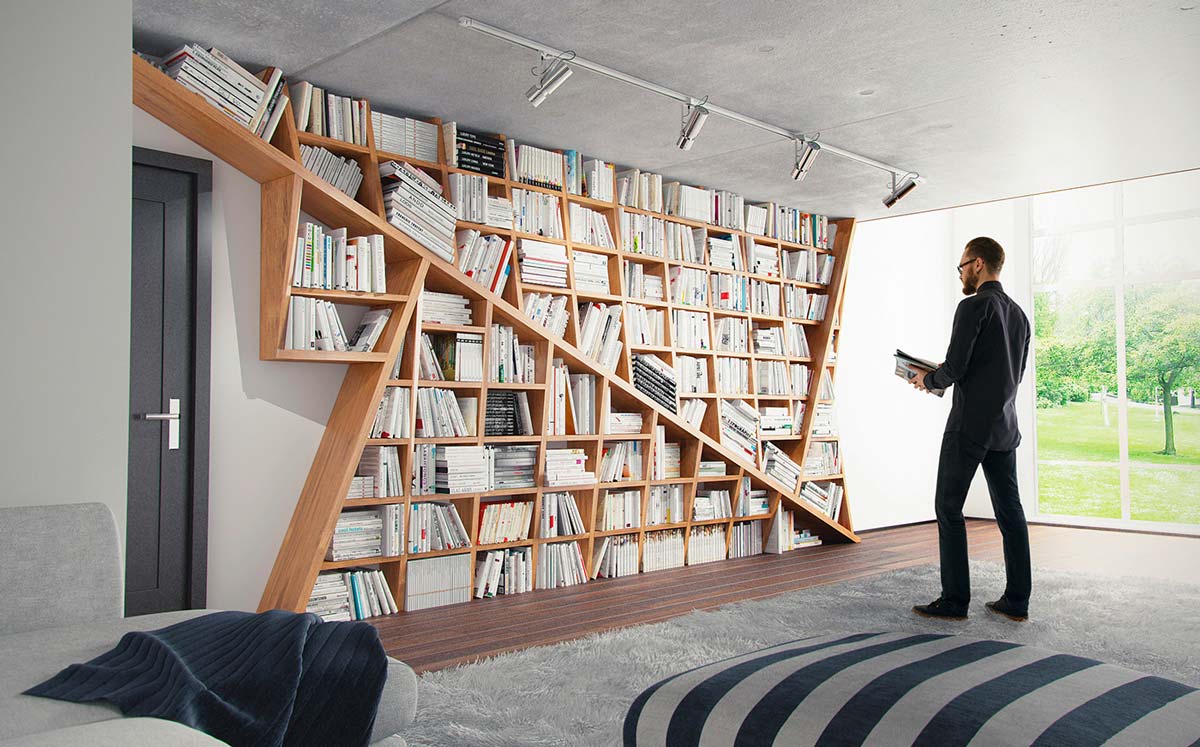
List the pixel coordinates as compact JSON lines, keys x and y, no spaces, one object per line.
{"x":990,"y":285}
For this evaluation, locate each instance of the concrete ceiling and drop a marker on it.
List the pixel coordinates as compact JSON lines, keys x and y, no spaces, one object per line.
{"x":985,"y":99}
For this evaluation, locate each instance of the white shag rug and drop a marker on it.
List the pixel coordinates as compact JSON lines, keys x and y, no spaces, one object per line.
{"x":577,"y":693}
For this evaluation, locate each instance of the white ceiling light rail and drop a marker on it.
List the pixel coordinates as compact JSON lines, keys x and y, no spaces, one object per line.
{"x":691,"y":102}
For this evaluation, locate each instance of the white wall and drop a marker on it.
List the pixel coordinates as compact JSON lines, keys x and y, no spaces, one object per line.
{"x":64,"y":290}
{"x":901,"y":293}
{"x":266,"y":418}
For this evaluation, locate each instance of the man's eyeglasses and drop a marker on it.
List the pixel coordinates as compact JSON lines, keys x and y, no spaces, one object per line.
{"x":964,"y":264}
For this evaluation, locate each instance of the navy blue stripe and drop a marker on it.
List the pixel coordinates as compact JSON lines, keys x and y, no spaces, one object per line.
{"x":1097,"y":720}
{"x":862,"y":712}
{"x":959,"y":721}
{"x":761,"y":726}
{"x":687,"y":722}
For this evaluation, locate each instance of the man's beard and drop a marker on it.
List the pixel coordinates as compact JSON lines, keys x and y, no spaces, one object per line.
{"x":970,"y":285}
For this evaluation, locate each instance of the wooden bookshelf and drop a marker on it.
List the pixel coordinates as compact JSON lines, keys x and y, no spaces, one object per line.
{"x":287,"y":188}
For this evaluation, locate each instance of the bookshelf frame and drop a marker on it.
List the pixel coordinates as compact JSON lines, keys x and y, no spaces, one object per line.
{"x":288,"y":188}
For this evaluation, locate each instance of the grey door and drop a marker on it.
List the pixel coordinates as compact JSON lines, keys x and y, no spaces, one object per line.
{"x":166,"y":524}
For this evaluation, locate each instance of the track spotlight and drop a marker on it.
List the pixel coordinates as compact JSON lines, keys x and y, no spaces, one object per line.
{"x":553,"y":77}
{"x":806,"y":153}
{"x":693,"y":120}
{"x":899,"y":190}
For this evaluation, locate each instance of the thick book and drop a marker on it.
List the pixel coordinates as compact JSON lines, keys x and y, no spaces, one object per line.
{"x":908,"y":367}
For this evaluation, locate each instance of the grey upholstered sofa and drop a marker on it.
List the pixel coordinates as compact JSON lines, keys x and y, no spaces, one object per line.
{"x":60,"y":603}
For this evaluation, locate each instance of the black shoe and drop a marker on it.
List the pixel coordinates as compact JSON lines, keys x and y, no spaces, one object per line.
{"x":1004,"y":607}
{"x":941,"y":609}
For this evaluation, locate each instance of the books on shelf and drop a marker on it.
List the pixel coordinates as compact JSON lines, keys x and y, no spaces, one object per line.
{"x":692,"y":374}
{"x":642,"y":234}
{"x":314,"y":324}
{"x":706,"y":544}
{"x":655,"y":378}
{"x":822,"y":459}
{"x":462,"y":469}
{"x":600,"y":333}
{"x":542,"y":263}
{"x":537,"y":213}
{"x":725,"y":252}
{"x":360,"y":534}
{"x":327,"y":114}
{"x":530,"y":164}
{"x":591,"y":271}
{"x":469,"y":195}
{"x":559,"y":401}
{"x":826,"y":497}
{"x":484,"y":258}
{"x":249,"y":100}
{"x":483,"y":154}
{"x":581,"y":403}
{"x":507,"y":414}
{"x":826,"y":390}
{"x":783,"y":536}
{"x":504,"y":521}
{"x":711,"y":468}
{"x":567,"y":466}
{"x":775,"y":421}
{"x":589,"y":227}
{"x":824,"y":423}
{"x":689,"y":286}
{"x":513,"y":467}
{"x":795,"y":226}
{"x":801,"y":376}
{"x":502,"y":572}
{"x":768,"y":340}
{"x":665,"y":505}
{"x":662,"y":550}
{"x":332,"y":261}
{"x":684,"y":244}
{"x":361,"y":486}
{"x":755,"y":219}
{"x":732,"y":334}
{"x":746,"y":539}
{"x":764,"y":297}
{"x":380,"y":465}
{"x":508,"y":360}
{"x":457,"y":356}
{"x":343,"y":173}
{"x":434,"y":582}
{"x":729,"y":292}
{"x":621,"y":461}
{"x":646,"y":326}
{"x":727,"y":209}
{"x":808,"y":266}
{"x":801,"y":304}
{"x":434,"y":526}
{"x":693,"y":203}
{"x":620,"y":509}
{"x":615,"y":556}
{"x":639,"y":189}
{"x":639,"y":283}
{"x":796,"y":340}
{"x":547,"y":310}
{"x":690,"y":330}
{"x":445,"y":308}
{"x":560,"y":564}
{"x":733,"y":375}
{"x":560,"y":516}
{"x":712,"y":504}
{"x":405,"y":136}
{"x":692,"y":411}
{"x":442,"y":414}
{"x":750,"y":501}
{"x":739,"y":427}
{"x":771,"y":378}
{"x":779,"y":466}
{"x":624,"y":422}
{"x":764,"y":259}
{"x":596,"y":178}
{"x":351,"y":595}
{"x":413,"y":202}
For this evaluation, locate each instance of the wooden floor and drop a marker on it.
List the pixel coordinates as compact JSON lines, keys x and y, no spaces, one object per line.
{"x":446,"y":636}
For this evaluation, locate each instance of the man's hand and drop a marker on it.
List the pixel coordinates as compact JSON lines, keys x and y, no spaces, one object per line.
{"x":918,"y":381}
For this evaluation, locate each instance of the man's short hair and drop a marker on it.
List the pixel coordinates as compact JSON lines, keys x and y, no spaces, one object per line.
{"x":989,"y":250}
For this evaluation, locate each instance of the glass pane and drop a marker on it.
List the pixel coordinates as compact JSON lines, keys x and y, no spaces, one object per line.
{"x":1162,"y":353}
{"x":1073,"y":259}
{"x":1077,"y":424}
{"x":1156,"y":195}
{"x":1074,"y":207}
{"x":1163,"y":250}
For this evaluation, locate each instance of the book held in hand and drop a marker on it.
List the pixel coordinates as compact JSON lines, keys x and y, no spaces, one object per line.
{"x":909,"y":367}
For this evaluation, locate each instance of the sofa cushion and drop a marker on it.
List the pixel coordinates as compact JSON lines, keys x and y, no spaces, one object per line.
{"x":128,"y":732}
{"x":903,"y":688}
{"x":32,"y":657}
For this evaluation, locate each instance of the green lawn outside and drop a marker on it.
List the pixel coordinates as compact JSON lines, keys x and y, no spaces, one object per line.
{"x":1076,"y":432}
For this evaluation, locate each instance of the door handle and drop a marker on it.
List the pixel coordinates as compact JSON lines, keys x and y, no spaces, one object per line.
{"x":171,"y":416}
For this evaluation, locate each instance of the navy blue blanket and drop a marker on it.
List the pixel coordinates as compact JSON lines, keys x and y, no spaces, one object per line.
{"x":276,"y":678}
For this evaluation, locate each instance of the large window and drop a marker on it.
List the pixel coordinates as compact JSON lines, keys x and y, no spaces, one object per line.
{"x":1116,"y":289}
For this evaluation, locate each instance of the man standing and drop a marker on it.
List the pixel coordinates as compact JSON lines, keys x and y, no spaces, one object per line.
{"x":985,"y":362}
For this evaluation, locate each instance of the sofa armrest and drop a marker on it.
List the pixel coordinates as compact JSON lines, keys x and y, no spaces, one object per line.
{"x":398,"y":703}
{"x":59,"y":565}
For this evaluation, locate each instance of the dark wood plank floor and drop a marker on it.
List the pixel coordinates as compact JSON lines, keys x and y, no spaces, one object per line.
{"x":446,"y":636}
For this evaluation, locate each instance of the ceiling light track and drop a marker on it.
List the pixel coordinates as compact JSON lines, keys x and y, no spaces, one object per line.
{"x":691,"y":102}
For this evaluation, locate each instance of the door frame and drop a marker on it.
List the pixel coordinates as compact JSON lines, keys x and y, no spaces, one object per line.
{"x":198,"y":423}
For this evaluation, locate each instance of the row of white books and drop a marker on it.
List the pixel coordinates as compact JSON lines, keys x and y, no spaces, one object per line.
{"x":769,"y":340}
{"x":504,"y":521}
{"x":693,"y":203}
{"x":255,"y":102}
{"x":777,"y":421}
{"x":443,"y":414}
{"x":712,"y":504}
{"x":537,"y":213}
{"x":801,"y":304}
{"x":732,"y":334}
{"x":662,"y":550}
{"x":643,"y":234}
{"x":780,"y":466}
{"x":706,"y":544}
{"x":641,"y":284}
{"x":351,"y":595}
{"x":381,"y":466}
{"x":600,"y":333}
{"x":665,"y":464}
{"x":323,"y":113}
{"x":764,"y":297}
{"x":567,"y":466}
{"x":733,"y":375}
{"x":445,"y":308}
{"x":689,"y":286}
{"x":433,"y":582}
{"x":771,"y":379}
{"x":463,"y":469}
{"x":314,"y":324}
{"x":646,"y":326}
{"x":361,"y":486}
{"x":727,"y":209}
{"x":822,"y":459}
{"x":485,"y":258}
{"x":808,"y":266}
{"x":692,"y":410}
{"x":724,"y":251}
{"x":369,"y":533}
{"x":560,"y":516}
{"x":413,"y":202}
{"x":542,"y":263}
{"x":801,"y":377}
{"x":711,"y":468}
{"x":435,"y":526}
{"x":560,"y":564}
{"x":589,"y":227}
{"x":548,"y":310}
{"x":620,"y":509}
{"x":690,"y":330}
{"x":591,"y":272}
{"x":405,"y":136}
{"x":622,"y":461}
{"x":509,"y":467}
{"x":589,"y":177}
{"x":615,"y":556}
{"x":729,"y":292}
{"x":824,"y":496}
{"x":665,"y":505}
{"x":580,"y":401}
{"x":783,"y":536}
{"x":824,"y":423}
{"x":503,"y":572}
{"x":624,"y":422}
{"x":762,"y":259}
{"x":508,"y":414}
{"x":692,"y":374}
{"x":472,"y":202}
{"x":343,"y":173}
{"x":457,"y":356}
{"x":330,"y":260}
{"x":529,"y":164}
{"x":746,"y":539}
{"x":508,"y":360}
{"x":638,"y":189}
{"x":739,"y":427}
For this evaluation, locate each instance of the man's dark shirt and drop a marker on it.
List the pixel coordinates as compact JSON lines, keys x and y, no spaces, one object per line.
{"x":985,"y":362}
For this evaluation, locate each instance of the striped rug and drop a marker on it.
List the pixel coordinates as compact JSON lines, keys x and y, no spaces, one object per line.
{"x":884,"y":689}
